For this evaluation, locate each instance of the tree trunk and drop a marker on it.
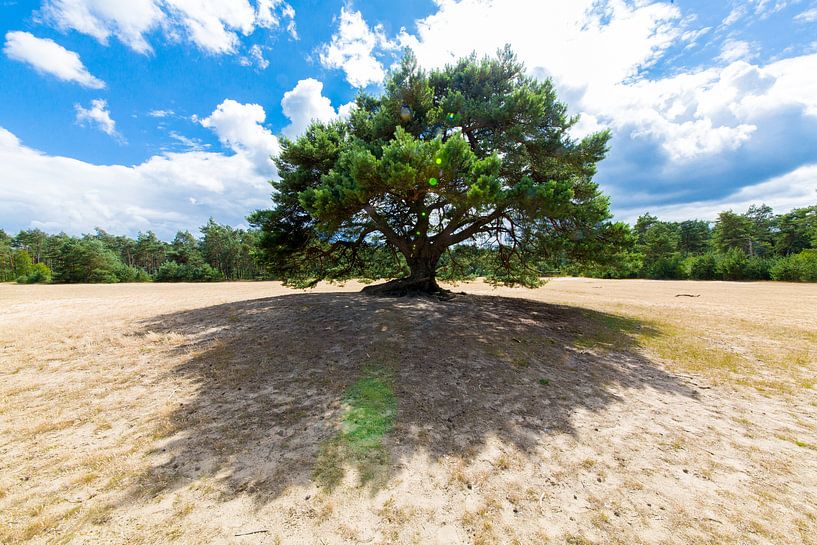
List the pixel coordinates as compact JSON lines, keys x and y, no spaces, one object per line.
{"x":420,"y":281}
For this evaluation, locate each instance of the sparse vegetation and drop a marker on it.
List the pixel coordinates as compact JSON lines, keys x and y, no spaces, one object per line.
{"x":191,"y":409}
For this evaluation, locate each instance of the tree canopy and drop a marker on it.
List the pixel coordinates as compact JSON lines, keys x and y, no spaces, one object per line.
{"x":477,"y":151}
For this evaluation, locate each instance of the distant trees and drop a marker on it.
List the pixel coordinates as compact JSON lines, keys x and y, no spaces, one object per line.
{"x":223,"y":252}
{"x":754,"y":245}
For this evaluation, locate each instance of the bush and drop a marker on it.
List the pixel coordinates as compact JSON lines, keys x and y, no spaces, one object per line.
{"x":800,"y":267}
{"x":102,"y":276}
{"x":731,"y":265}
{"x":125,"y":273}
{"x":666,"y":268}
{"x":170,"y":271}
{"x":701,"y":267}
{"x":39,"y":274}
{"x":757,"y":268}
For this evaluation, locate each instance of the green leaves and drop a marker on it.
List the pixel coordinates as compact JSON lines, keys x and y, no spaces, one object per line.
{"x":478,"y":150}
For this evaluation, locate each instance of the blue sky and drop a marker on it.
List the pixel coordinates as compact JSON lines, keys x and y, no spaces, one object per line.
{"x":149,"y":114}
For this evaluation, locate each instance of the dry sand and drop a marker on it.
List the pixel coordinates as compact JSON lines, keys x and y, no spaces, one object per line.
{"x":586,"y":411}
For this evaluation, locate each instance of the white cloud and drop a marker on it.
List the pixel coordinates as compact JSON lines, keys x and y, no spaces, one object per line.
{"x":305,"y":103}
{"x":352,"y":49}
{"x":49,"y":57}
{"x":255,"y":57}
{"x":240,"y":127}
{"x":97,"y":116}
{"x":734,"y":50}
{"x":127,"y":20}
{"x":578,"y":42}
{"x":808,"y":16}
{"x":161,"y":113}
{"x":670,"y":132}
{"x":212,"y":25}
{"x":59,"y":193}
{"x":795,"y":189}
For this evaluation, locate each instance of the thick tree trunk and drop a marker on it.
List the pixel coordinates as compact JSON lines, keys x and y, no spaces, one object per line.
{"x":420,"y":281}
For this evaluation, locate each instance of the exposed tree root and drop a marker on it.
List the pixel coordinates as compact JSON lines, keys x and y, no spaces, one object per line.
{"x":409,"y":287}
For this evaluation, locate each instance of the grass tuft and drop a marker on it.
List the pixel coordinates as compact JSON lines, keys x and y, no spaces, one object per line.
{"x":370,"y":409}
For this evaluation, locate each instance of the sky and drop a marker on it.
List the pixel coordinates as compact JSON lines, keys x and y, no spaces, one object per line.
{"x":137,"y":115}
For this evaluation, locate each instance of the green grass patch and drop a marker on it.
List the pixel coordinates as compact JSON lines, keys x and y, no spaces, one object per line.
{"x":369,"y":412}
{"x":608,"y":331}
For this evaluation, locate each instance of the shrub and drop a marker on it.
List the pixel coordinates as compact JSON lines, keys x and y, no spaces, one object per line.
{"x":701,"y":267}
{"x":125,"y":273}
{"x":666,"y":268}
{"x":757,"y":268}
{"x":731,"y":265}
{"x":800,"y":267}
{"x":40,"y":274}
{"x":102,"y":276}
{"x":170,"y":271}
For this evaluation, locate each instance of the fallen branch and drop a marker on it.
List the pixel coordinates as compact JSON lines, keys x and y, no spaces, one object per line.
{"x":251,"y":533}
{"x":687,"y":295}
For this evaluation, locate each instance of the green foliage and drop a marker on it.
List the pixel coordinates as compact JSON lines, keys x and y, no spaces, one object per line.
{"x":124,"y":273}
{"x":23,"y":265}
{"x":796,"y":231}
{"x":171,"y":271}
{"x":39,"y":274}
{"x":800,"y":267}
{"x":702,"y":267}
{"x":85,"y":260}
{"x":736,"y":265}
{"x":476,"y":152}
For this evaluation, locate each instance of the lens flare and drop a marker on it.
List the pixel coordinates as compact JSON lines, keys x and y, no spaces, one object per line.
{"x":405,"y":113}
{"x":432,"y":182}
{"x":438,"y":161}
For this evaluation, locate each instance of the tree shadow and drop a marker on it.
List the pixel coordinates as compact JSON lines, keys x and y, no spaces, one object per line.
{"x":271,"y":376}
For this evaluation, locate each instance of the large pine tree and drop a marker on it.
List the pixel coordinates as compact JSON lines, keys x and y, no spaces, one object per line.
{"x":475,"y":152}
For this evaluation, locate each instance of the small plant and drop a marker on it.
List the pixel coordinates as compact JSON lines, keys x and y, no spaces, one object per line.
{"x":544,"y":381}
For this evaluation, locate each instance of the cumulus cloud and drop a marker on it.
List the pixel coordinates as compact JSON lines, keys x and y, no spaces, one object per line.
{"x":49,"y":57}
{"x":213,"y":26}
{"x":305,"y":103}
{"x":693,"y":135}
{"x":97,"y":116}
{"x":352,"y":49}
{"x":165,"y":193}
{"x":240,"y":128}
{"x":127,"y":20}
{"x":794,"y":189}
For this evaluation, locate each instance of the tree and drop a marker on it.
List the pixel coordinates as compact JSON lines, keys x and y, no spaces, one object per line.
{"x":86,"y":260}
{"x":761,"y":233}
{"x":733,"y":231}
{"x":694,"y":235}
{"x":475,"y":152}
{"x":6,"y":259}
{"x":184,"y":249}
{"x":796,"y":231}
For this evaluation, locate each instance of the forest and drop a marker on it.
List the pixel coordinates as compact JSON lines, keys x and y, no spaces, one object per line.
{"x":755,"y":245}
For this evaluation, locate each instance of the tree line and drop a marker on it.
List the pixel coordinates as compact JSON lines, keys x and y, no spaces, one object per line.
{"x":220,"y":253}
{"x":755,"y":245}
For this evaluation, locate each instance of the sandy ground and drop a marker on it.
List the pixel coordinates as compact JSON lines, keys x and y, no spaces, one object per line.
{"x":586,"y":411}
